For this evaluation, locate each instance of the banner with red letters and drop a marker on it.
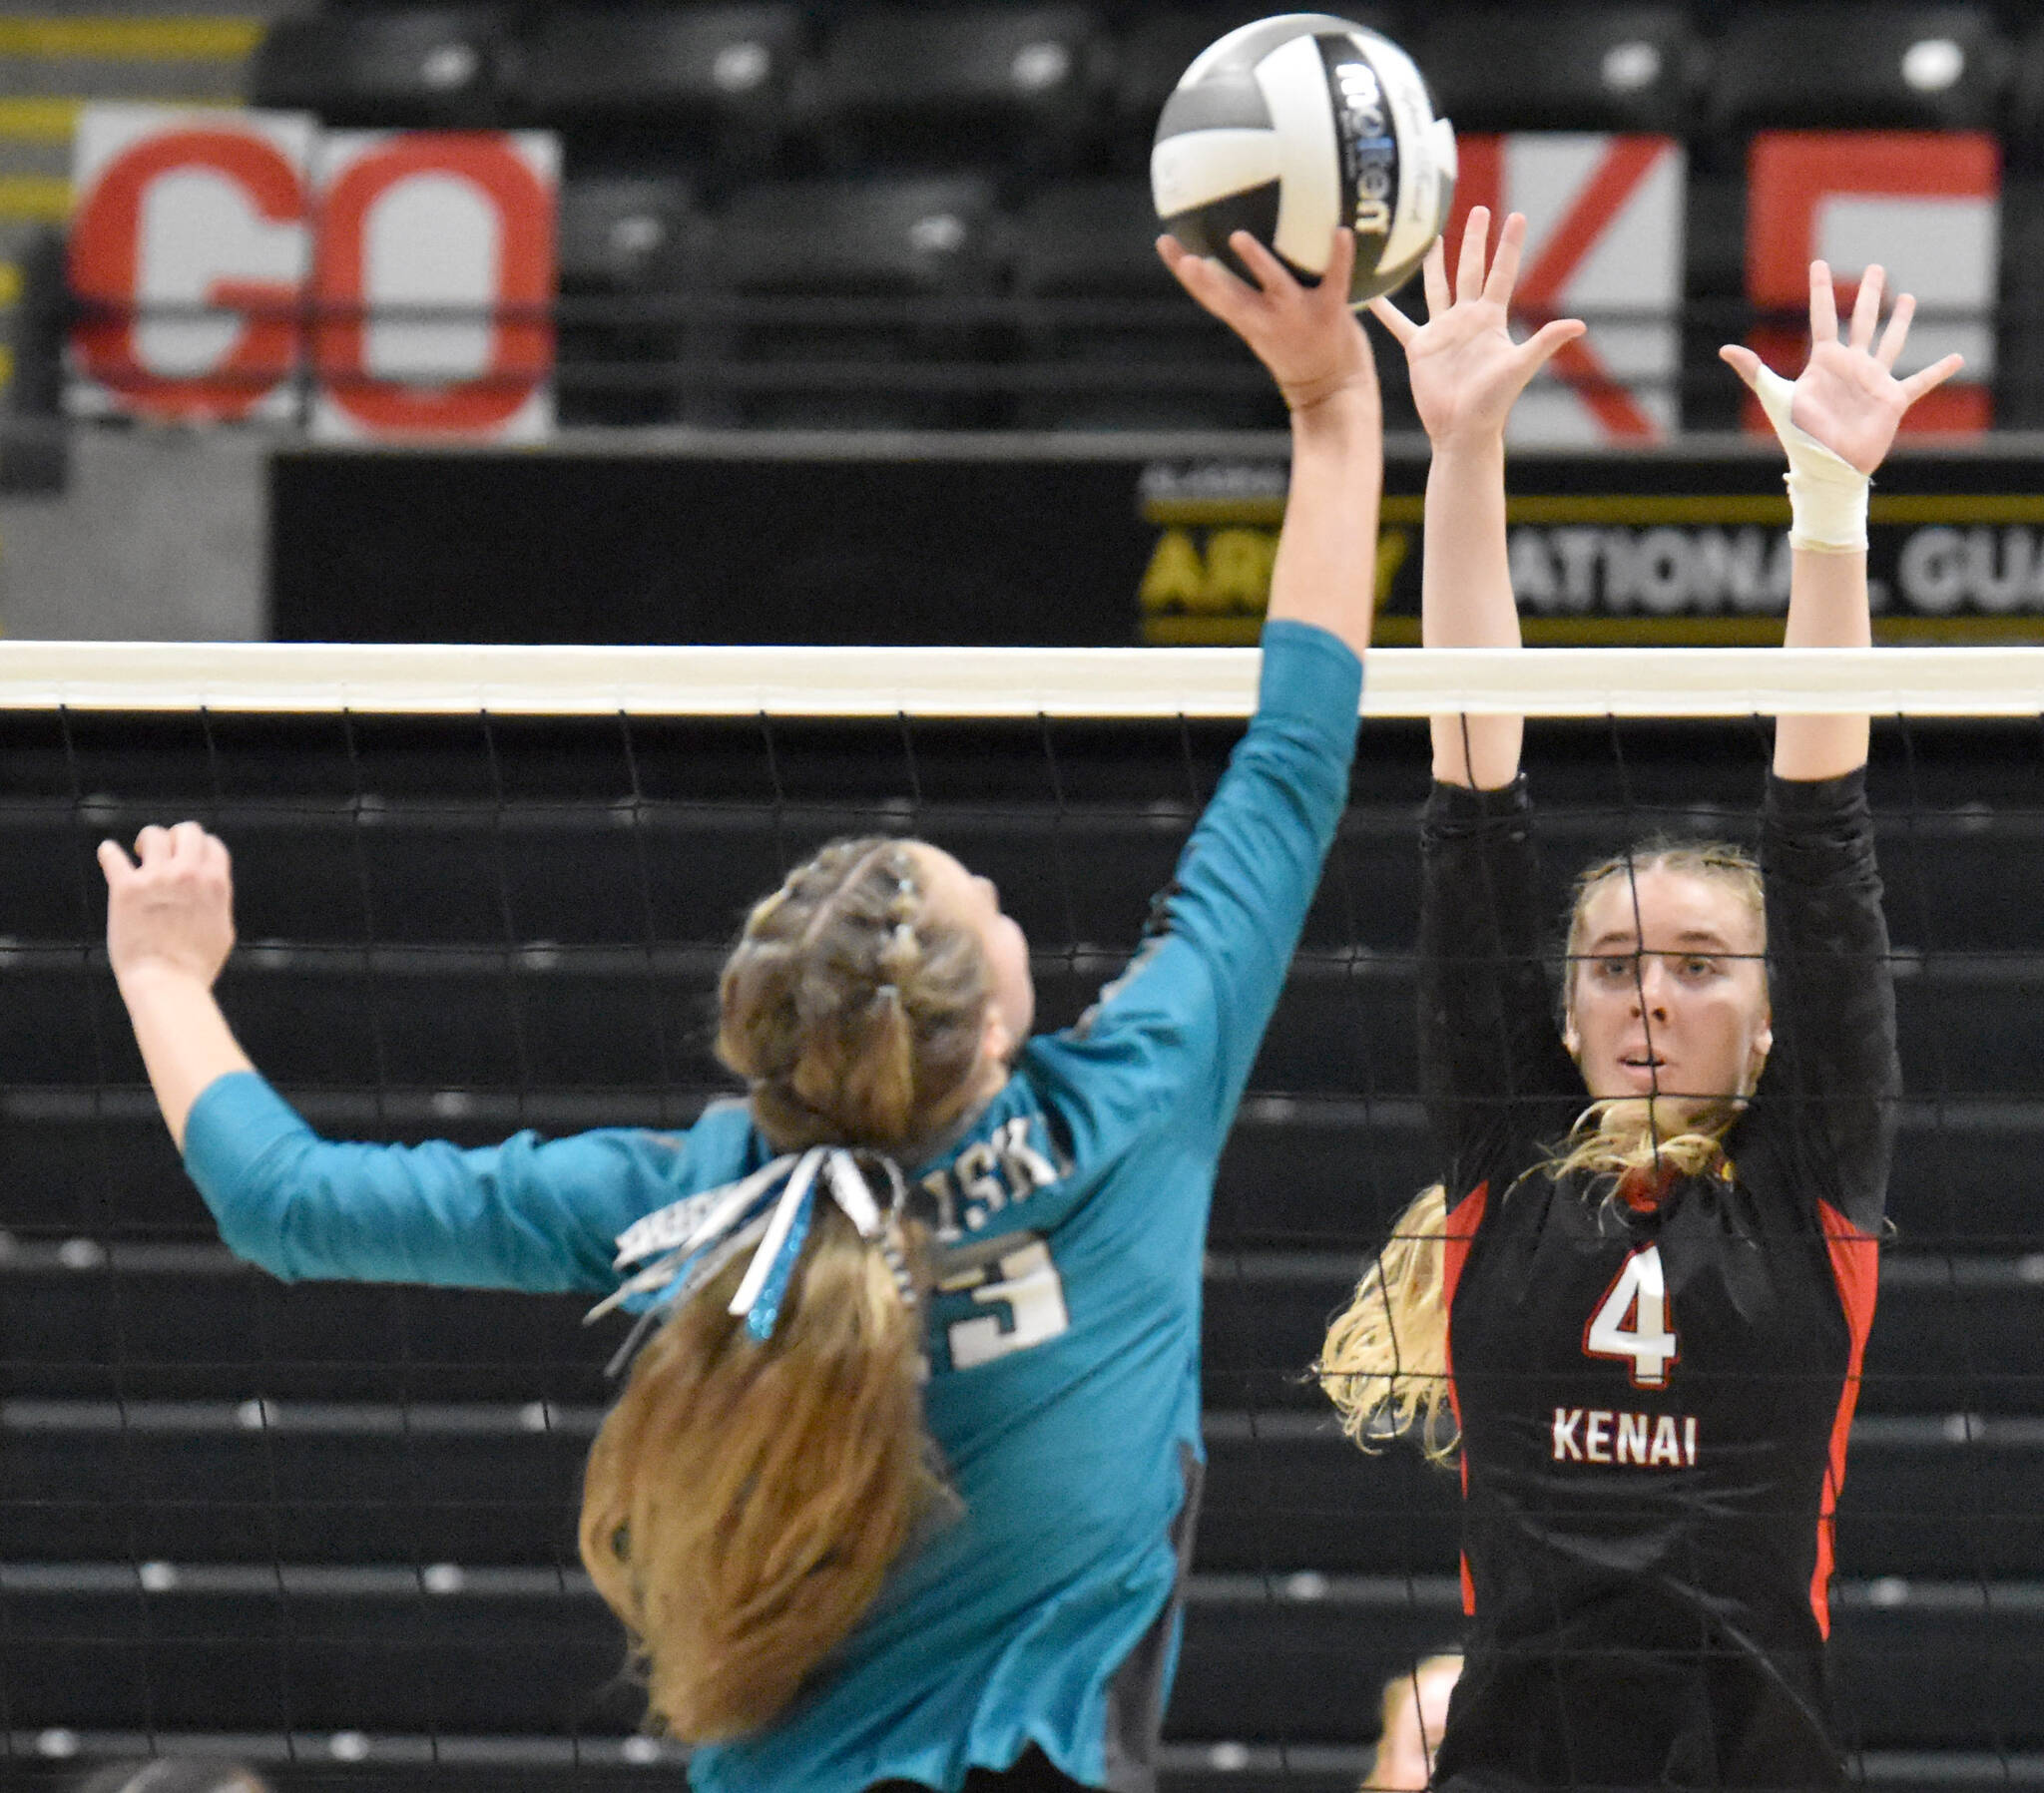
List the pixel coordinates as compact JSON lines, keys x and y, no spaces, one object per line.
{"x":235,"y":267}
{"x":1925,"y":205}
{"x":1604,"y":217}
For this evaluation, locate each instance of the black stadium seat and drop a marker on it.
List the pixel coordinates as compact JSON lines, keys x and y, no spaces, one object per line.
{"x":1841,"y":64}
{"x":623,"y":241}
{"x":615,"y":231}
{"x":664,"y":79}
{"x":281,"y":1510}
{"x":2024,"y":131}
{"x":1109,"y":330}
{"x":869,"y":266}
{"x":1571,"y":68}
{"x":971,"y":86}
{"x":433,"y":66}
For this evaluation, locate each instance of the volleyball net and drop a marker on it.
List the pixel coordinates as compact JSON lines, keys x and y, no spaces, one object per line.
{"x":330,"y":1529}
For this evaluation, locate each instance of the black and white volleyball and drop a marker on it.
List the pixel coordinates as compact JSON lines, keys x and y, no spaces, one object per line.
{"x":1294,"y":125}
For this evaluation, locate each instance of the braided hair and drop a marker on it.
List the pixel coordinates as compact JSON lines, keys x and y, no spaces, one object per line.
{"x":744,"y":1498}
{"x":853,"y":1014}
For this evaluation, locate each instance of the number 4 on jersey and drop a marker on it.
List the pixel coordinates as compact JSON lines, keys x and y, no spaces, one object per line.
{"x":1632,"y":1322}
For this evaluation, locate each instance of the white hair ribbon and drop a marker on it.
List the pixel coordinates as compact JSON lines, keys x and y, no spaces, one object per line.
{"x":689,"y":1241}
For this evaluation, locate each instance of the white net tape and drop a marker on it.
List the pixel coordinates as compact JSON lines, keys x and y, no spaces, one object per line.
{"x":1003,"y":682}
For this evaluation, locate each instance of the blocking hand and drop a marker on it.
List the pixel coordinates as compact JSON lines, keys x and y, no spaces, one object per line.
{"x":1847,"y":397}
{"x":1467,"y":370}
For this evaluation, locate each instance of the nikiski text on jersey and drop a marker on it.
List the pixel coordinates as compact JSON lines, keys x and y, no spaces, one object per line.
{"x":1000,"y":1172}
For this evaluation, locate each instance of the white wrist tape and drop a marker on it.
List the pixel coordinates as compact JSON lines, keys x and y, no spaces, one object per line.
{"x":1826,"y":494}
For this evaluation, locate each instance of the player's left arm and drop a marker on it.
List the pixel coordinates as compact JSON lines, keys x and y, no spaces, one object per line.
{"x":170,"y":930}
{"x":1836,"y":421}
{"x":523,"y":1214}
{"x":1834,"y":1075}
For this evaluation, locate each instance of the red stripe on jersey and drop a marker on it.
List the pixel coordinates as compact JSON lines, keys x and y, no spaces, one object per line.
{"x":1463,"y":1221}
{"x":1855,"y":1265}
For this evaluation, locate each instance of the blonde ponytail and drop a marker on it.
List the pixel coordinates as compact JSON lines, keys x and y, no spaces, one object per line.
{"x":744,"y":1501}
{"x":746,"y":1498}
{"x":1384,"y":1363}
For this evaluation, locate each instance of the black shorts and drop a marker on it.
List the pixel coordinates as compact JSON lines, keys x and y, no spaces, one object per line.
{"x":1031,"y":1773}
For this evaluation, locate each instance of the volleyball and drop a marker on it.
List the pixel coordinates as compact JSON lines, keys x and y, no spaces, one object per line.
{"x":1294,"y":125}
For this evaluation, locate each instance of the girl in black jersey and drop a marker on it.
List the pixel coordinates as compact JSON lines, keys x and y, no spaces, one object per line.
{"x":1641,"y":1291}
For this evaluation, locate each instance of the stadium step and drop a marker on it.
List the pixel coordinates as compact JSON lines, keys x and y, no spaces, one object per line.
{"x":612,"y":871}
{"x":509,"y":1018}
{"x":1328,"y":1172}
{"x":1952,"y":1334}
{"x":354,"y":1762}
{"x":116,"y":1647}
{"x":1939,"y":1497}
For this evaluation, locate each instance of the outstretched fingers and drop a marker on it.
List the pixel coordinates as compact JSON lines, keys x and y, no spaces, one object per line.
{"x":1897,"y":332}
{"x":1548,"y":342}
{"x":1475,"y":244}
{"x":1435,"y":270}
{"x":1215,"y":287}
{"x":1402,"y":329}
{"x":1823,"y":304}
{"x":1504,"y":270}
{"x":1339,"y":281}
{"x":114,"y":862}
{"x":1866,"y":308}
{"x":1742,"y":361}
{"x":1272,"y":276}
{"x":1935,"y":374}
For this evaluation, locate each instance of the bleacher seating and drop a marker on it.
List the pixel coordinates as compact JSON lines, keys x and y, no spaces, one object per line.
{"x":727,"y":94}
{"x":1007,"y":88}
{"x":851,"y":217}
{"x":624,"y":243}
{"x":1833,"y":64}
{"x":839,"y":340}
{"x":1572,"y":68}
{"x":239,"y":1507}
{"x":662,"y":85}
{"x":438,"y":67}
{"x":1105,"y":326}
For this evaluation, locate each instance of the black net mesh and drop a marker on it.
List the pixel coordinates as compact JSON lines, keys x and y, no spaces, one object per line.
{"x":329,"y":1528}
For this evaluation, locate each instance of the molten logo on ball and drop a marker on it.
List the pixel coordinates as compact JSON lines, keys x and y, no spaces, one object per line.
{"x":1292,"y":126}
{"x":1368,"y":150}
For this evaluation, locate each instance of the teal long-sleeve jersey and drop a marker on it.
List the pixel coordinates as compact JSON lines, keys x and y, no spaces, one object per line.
{"x":1063,"y":1328}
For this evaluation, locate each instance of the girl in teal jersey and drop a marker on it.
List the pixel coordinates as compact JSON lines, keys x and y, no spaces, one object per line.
{"x":838,"y":1574}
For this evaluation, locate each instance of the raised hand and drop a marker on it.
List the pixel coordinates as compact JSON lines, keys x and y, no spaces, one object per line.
{"x":1467,"y":370}
{"x":1307,"y":336}
{"x":171,"y":908}
{"x":1847,"y":396}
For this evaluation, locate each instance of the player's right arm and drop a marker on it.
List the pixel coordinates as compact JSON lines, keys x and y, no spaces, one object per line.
{"x":1466,"y":374}
{"x":524,"y":1214}
{"x":1491,"y":1065}
{"x":1172,"y":1040}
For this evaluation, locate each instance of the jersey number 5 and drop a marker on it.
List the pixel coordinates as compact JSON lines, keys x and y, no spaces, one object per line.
{"x":1023,"y":1287}
{"x":1632,"y":1322}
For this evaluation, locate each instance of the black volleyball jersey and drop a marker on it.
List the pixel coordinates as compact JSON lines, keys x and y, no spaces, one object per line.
{"x":1653,"y":1386}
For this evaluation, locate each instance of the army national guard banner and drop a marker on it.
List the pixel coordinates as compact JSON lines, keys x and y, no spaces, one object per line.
{"x":983,"y":541}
